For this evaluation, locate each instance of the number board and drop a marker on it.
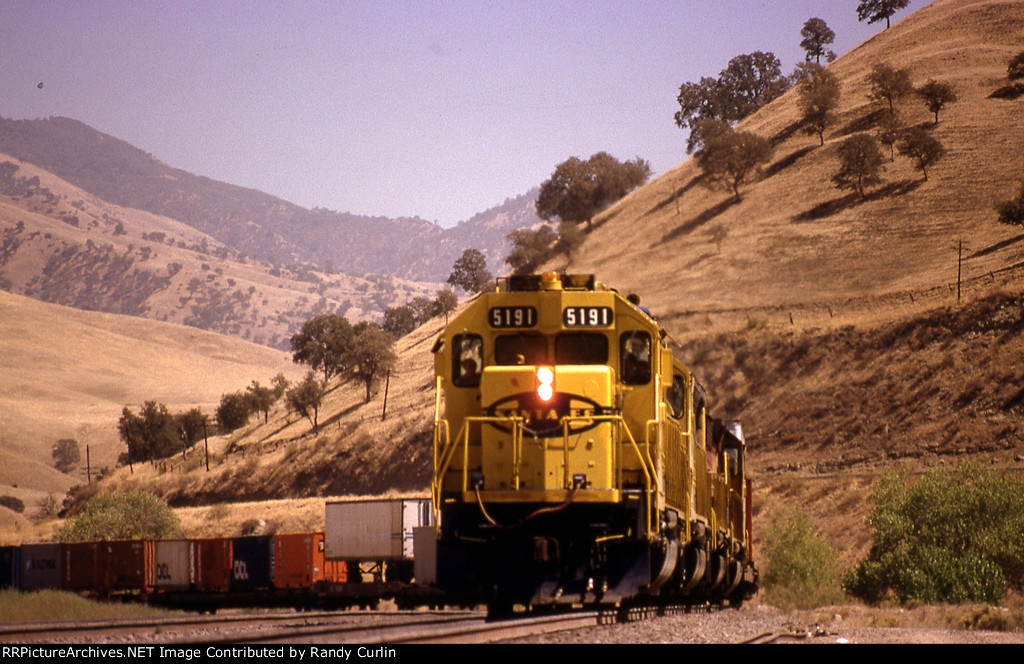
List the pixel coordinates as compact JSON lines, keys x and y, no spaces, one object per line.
{"x":587,"y":316}
{"x":513,"y":316}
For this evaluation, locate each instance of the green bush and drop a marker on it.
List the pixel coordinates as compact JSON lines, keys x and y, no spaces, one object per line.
{"x":949,"y":537}
{"x":801,"y":569}
{"x":121,"y":515}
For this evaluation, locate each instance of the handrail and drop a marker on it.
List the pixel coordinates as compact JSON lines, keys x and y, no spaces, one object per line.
{"x":445,"y":450}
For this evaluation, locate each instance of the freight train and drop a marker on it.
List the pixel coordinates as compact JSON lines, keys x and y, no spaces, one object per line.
{"x":364,"y":556}
{"x":576,"y":463}
{"x":575,"y":458}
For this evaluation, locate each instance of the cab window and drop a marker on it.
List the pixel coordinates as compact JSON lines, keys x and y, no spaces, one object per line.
{"x":635,"y":355}
{"x":676,"y":397}
{"x":513,"y":349}
{"x":467,"y":359}
{"x":581,"y":348}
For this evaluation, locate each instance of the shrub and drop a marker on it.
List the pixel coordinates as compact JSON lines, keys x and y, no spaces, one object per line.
{"x":233,"y":411}
{"x":65,"y":454}
{"x":121,"y":515}
{"x":801,"y":565}
{"x":1015,"y":69}
{"x":1012,"y":211}
{"x":12,"y":503}
{"x":949,"y":537}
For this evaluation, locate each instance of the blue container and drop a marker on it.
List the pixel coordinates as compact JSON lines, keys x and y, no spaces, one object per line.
{"x":10,"y":560}
{"x":40,"y":567}
{"x":251,"y":568}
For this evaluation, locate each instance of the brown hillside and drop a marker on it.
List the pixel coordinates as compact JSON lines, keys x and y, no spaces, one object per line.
{"x":64,"y":245}
{"x":796,"y":244}
{"x":68,"y":373}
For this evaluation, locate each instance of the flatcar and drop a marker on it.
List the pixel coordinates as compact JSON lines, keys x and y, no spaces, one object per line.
{"x":575,"y":459}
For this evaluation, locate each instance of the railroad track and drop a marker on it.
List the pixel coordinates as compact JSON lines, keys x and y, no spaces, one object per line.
{"x":334,"y":627}
{"x":464,"y":629}
{"x":242,"y":628}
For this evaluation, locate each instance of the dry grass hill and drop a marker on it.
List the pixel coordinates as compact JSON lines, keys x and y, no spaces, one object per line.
{"x":62,"y":244}
{"x":796,"y":244}
{"x":829,"y":325}
{"x":68,"y":374}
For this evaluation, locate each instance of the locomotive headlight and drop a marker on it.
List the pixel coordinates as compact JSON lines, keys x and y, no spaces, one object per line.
{"x":545,"y":383}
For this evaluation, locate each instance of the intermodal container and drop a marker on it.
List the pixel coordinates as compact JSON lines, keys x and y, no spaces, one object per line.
{"x":171,"y":569}
{"x":298,"y":559}
{"x":40,"y":567}
{"x":251,"y":569}
{"x":211,"y":564}
{"x":10,"y":560}
{"x":82,"y":567}
{"x":127,"y":565}
{"x":376,"y":530}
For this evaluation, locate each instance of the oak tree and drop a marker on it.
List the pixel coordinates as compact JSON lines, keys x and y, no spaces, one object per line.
{"x":921,"y":147}
{"x":280,"y":385}
{"x":579,"y":189}
{"x":876,"y":10}
{"x":233,"y":411}
{"x":446,"y":302}
{"x":530,"y":248}
{"x":470,"y":272}
{"x":150,"y":434}
{"x":699,"y":103}
{"x":817,"y":37}
{"x":399,"y":321}
{"x":936,"y":95}
{"x":860,"y":162}
{"x":889,"y":84}
{"x":372,"y":354}
{"x":747,"y":83}
{"x":306,"y":397}
{"x":890,"y":128}
{"x":818,"y":98}
{"x":121,"y":515}
{"x":260,"y":398}
{"x":322,"y":343}
{"x":734,"y":158}
{"x":191,"y":426}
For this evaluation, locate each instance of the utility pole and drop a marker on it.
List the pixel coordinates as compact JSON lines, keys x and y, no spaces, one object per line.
{"x":959,"y":268}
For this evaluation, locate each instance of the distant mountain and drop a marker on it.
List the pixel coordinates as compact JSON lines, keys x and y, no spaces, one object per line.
{"x":251,"y":222}
{"x":63,"y":245}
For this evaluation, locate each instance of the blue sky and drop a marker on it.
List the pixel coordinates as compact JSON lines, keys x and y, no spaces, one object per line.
{"x":394,"y":108}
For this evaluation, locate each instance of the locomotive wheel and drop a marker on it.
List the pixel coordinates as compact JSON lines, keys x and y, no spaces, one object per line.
{"x":696,"y":561}
{"x":718,"y":570}
{"x":735,"y":576}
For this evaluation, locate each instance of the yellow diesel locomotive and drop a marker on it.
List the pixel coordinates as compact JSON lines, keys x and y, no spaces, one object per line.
{"x":575,"y":462}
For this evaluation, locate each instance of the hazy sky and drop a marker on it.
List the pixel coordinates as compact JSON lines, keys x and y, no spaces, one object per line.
{"x":428,"y":108}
